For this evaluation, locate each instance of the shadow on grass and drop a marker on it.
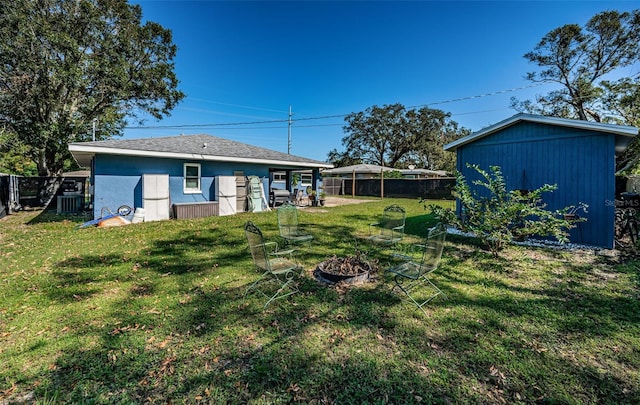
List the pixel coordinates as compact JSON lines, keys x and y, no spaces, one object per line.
{"x":181,"y":332}
{"x":196,"y":251}
{"x":138,"y":351}
{"x":274,"y":354}
{"x":482,"y":331}
{"x":51,"y":216}
{"x":418,"y":225}
{"x":361,"y":345}
{"x":575,"y":298}
{"x":81,"y":277}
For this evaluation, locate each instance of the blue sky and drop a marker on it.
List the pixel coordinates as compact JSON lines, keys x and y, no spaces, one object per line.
{"x":242,"y":64}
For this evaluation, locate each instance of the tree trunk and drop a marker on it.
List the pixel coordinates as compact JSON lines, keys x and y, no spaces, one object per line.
{"x":43,"y":167}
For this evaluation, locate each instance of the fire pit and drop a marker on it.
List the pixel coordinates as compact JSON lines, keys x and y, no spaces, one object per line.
{"x":347,"y":270}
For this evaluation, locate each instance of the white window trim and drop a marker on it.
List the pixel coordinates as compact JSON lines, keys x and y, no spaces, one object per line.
{"x":184,"y":179}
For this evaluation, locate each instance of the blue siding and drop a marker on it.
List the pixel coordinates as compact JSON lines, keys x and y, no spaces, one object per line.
{"x":118,"y":179}
{"x":580,"y":162}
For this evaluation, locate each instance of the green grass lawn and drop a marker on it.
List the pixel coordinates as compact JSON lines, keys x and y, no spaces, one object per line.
{"x":154,"y":313}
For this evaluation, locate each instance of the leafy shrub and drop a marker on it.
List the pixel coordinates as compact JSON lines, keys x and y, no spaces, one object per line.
{"x":503,"y":216}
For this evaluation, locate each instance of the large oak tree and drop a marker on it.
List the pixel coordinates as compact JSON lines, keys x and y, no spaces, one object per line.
{"x":65,"y":64}
{"x":393,"y":136}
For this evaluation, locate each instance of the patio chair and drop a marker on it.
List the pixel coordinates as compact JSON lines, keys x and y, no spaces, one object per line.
{"x":276,"y":266}
{"x":390,"y":229}
{"x":416,"y":265}
{"x":290,"y":228}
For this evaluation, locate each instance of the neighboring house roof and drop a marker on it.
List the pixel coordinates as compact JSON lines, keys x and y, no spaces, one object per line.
{"x":359,"y":169}
{"x":77,"y":173}
{"x":623,"y":133}
{"x":376,"y":169}
{"x":427,"y":172}
{"x":195,"y":147}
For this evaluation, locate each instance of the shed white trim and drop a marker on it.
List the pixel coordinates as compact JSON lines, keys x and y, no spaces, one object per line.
{"x":623,"y":133}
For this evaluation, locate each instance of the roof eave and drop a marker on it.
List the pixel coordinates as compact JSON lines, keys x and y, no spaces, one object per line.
{"x":84,"y":154}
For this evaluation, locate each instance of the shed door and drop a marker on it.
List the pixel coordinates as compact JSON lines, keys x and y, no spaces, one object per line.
{"x":155,"y":196}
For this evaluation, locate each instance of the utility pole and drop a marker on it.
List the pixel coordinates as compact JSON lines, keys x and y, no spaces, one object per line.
{"x":94,"y":129}
{"x":289,"y":135}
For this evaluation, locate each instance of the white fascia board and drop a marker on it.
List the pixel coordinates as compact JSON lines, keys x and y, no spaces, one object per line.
{"x":191,"y":156}
{"x":623,"y":130}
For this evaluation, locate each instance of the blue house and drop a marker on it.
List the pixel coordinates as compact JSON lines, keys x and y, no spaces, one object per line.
{"x":184,"y":176}
{"x":578,"y":156}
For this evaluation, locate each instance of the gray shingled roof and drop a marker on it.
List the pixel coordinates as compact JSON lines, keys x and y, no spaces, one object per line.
{"x":208,"y":146}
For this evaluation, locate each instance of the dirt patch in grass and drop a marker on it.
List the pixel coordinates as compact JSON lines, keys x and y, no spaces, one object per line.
{"x":337,"y":201}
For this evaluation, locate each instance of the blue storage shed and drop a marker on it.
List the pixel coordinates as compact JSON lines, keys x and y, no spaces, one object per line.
{"x":578,"y":156}
{"x":197,"y":175}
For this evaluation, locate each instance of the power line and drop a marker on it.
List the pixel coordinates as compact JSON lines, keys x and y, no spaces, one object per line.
{"x":289,"y":121}
{"x":481,"y":95}
{"x":234,"y":105}
{"x":247,"y":128}
{"x":237,"y":105}
{"x":205,"y":125}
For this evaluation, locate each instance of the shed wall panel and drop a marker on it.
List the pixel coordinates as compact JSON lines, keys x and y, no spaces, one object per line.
{"x":581,"y":163}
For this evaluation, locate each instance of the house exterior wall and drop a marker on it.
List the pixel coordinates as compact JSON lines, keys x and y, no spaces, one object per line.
{"x":580,"y":162}
{"x":117,"y":180}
